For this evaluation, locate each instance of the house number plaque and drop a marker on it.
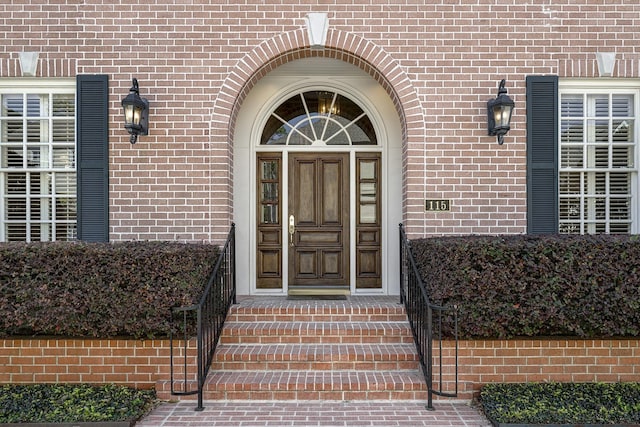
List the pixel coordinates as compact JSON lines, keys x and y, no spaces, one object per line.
{"x":437,"y":205}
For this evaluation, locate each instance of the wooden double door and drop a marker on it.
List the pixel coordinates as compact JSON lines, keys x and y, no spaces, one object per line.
{"x":315,"y":234}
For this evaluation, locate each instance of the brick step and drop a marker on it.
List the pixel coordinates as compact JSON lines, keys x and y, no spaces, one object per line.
{"x":318,"y":332}
{"x":388,"y":311}
{"x":305,"y":385}
{"x":336,"y":357}
{"x":277,"y":349}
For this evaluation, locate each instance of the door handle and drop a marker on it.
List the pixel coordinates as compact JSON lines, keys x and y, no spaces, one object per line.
{"x":292,"y":228}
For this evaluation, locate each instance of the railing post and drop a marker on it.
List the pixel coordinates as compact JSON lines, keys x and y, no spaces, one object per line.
{"x":401,"y":257}
{"x":200,"y":362}
{"x":430,"y":358}
{"x":233,"y":261}
{"x":185,"y":349}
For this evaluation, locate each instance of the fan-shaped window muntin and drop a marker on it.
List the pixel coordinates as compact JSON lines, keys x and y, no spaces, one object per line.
{"x":318,"y":118}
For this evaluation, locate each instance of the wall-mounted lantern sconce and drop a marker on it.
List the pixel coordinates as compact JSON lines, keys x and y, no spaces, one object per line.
{"x":136,"y":113}
{"x":499,"y":112}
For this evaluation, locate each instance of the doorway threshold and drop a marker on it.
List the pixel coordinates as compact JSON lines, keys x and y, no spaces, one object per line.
{"x":319,"y":292}
{"x":317,"y":297}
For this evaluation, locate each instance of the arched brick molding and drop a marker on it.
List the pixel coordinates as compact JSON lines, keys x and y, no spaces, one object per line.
{"x":340,"y":45}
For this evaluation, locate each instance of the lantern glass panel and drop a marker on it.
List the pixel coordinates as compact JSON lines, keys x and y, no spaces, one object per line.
{"x":128,"y":113}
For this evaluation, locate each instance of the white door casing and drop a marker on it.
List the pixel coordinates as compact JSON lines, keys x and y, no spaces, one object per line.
{"x":315,"y":74}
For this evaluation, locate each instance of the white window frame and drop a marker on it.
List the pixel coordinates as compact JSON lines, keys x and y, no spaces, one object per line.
{"x":602,"y":87}
{"x":48,"y":87}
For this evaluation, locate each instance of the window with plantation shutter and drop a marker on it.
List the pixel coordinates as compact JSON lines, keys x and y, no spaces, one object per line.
{"x":37,"y":161}
{"x":598,"y":171}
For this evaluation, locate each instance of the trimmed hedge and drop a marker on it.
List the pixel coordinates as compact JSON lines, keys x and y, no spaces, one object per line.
{"x":562,"y":403}
{"x":508,"y":286}
{"x":99,"y":289}
{"x":65,"y":403}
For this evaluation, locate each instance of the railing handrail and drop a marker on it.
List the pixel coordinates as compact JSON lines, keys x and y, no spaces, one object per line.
{"x":423,"y":330}
{"x":211,"y":311}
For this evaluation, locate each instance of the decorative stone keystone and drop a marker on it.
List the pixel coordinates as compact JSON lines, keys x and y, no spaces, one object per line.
{"x":317,"y":27}
{"x":606,"y":63}
{"x":28,"y":63}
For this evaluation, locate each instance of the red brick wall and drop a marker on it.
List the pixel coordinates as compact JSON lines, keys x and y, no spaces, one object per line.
{"x":527,"y":360}
{"x":142,"y":363}
{"x":139,"y":363}
{"x":440,"y":62}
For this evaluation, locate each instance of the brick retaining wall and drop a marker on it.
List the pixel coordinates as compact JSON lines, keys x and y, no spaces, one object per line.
{"x":537,"y":360}
{"x":141,"y":363}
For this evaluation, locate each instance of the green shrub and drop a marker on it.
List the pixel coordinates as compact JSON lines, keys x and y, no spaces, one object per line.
{"x":47,"y":403}
{"x":562,"y":403}
{"x":99,"y":289}
{"x":507,"y":286}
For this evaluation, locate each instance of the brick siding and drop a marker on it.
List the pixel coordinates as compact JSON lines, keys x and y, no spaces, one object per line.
{"x":440,"y":62}
{"x":143,"y":363}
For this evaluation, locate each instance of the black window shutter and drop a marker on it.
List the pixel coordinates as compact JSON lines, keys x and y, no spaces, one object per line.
{"x":542,"y":154}
{"x":93,"y":157}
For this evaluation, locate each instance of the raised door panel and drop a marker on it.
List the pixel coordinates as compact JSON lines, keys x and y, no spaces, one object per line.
{"x":331,"y":206}
{"x":305,"y":175}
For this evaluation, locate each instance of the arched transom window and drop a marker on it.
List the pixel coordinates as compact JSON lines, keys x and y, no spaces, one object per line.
{"x":318,"y":118}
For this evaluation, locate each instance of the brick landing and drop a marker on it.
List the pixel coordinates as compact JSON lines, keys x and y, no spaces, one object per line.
{"x":278,"y":349}
{"x":315,"y":414}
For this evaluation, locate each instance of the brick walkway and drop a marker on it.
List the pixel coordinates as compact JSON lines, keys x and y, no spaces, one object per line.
{"x":314,"y":414}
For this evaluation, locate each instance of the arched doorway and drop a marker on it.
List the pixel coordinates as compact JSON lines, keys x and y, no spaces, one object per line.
{"x":316,"y":182}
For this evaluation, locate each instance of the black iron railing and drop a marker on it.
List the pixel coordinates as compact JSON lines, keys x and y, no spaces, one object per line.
{"x":420,"y":311}
{"x":210,"y":314}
